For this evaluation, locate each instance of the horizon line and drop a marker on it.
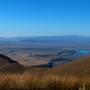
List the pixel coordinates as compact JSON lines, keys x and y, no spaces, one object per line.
{"x":42,"y":36}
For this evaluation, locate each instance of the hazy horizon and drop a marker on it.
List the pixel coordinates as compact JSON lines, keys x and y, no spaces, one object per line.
{"x":42,"y":36}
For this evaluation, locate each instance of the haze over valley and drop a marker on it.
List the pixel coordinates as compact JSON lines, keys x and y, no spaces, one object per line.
{"x":45,"y":51}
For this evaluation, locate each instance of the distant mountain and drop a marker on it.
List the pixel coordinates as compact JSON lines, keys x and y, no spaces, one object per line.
{"x":57,"y":39}
{"x":42,"y":39}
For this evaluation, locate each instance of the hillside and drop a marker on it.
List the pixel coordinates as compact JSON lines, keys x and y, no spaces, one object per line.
{"x":59,"y":78}
{"x":9,"y":65}
{"x":77,"y":68}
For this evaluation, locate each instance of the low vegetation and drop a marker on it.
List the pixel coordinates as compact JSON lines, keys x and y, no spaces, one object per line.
{"x":73,"y":76}
{"x":79,"y":68}
{"x":27,"y":81}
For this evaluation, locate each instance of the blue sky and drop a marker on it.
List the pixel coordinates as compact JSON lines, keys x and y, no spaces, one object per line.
{"x":44,"y":17}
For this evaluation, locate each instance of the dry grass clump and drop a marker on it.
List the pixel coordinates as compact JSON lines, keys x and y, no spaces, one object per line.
{"x":27,"y":81}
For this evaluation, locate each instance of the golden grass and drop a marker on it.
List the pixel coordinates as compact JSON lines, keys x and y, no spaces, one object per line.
{"x":27,"y":81}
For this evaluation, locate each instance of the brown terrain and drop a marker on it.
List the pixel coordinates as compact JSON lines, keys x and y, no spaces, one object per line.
{"x":78,"y":68}
{"x":73,"y":76}
{"x":9,"y":65}
{"x":25,"y":57}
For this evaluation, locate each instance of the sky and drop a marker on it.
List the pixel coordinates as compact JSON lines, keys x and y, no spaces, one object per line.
{"x":44,"y":17}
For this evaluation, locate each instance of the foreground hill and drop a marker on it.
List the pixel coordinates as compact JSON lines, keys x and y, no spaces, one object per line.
{"x":28,"y":81}
{"x":9,"y":65}
{"x":77,"y":68}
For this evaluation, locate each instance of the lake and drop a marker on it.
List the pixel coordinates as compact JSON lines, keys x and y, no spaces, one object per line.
{"x":68,"y":56}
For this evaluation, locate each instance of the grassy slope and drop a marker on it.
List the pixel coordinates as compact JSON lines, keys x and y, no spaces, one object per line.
{"x":59,"y":78}
{"x":27,"y":81}
{"x":78,"y":68}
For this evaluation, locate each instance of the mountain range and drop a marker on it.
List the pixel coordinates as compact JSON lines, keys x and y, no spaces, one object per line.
{"x":68,"y":38}
{"x":69,"y":41}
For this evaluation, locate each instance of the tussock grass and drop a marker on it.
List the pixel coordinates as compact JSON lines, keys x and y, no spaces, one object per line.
{"x":26,"y":81}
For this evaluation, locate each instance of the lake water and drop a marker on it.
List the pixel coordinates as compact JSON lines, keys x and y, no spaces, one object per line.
{"x":80,"y":53}
{"x":69,"y":56}
{"x":84,"y":52}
